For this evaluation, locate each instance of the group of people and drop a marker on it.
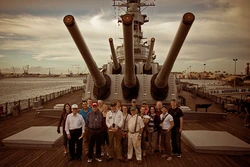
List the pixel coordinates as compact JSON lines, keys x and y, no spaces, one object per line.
{"x":120,"y":129}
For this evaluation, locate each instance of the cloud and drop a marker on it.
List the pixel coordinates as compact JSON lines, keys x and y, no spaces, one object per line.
{"x":34,"y":32}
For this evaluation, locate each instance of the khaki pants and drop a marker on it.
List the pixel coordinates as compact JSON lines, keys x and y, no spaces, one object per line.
{"x":115,"y":142}
{"x":133,"y":142}
{"x":165,"y":140}
{"x":152,"y":140}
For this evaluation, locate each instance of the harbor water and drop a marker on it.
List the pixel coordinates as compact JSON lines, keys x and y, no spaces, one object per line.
{"x":14,"y":89}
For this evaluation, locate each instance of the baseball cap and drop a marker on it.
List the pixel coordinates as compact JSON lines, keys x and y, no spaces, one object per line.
{"x":133,"y":100}
{"x":144,"y":102}
{"x":94,"y":104}
{"x":74,"y":106}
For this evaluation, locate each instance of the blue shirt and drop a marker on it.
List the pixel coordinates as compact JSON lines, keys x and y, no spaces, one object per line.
{"x":84,"y":113}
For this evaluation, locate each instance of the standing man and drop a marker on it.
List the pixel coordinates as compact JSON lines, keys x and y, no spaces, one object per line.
{"x":177,"y":129}
{"x":84,"y":111}
{"x":124,"y":140}
{"x":94,"y":124}
{"x":74,"y":128}
{"x":247,"y":109}
{"x":114,"y":122}
{"x":89,"y":102}
{"x":167,"y":123}
{"x":135,"y":128}
{"x":158,"y":113}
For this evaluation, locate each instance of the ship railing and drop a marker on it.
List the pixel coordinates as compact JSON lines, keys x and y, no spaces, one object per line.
{"x":15,"y":107}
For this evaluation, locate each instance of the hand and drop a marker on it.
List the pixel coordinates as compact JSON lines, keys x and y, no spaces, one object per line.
{"x":68,"y":135}
{"x":160,"y":125}
{"x":180,"y":130}
{"x":58,"y":130}
{"x":139,"y":137}
{"x":81,"y":136}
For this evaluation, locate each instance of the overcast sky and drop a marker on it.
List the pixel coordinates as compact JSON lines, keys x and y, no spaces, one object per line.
{"x":32,"y":33}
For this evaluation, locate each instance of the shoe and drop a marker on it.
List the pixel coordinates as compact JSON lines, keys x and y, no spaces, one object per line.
{"x":109,"y":159}
{"x":102,"y":154}
{"x":89,"y":160}
{"x":79,"y":159}
{"x":86,"y":153}
{"x":164,"y":156}
{"x":98,"y":159}
{"x":71,"y":158}
{"x":179,"y":155}
{"x":121,"y":160}
{"x":139,"y":162}
{"x":127,"y":160}
{"x":174,"y":154}
{"x":169,"y":158}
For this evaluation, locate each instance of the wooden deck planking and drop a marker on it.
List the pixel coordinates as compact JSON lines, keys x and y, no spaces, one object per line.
{"x":54,"y":156}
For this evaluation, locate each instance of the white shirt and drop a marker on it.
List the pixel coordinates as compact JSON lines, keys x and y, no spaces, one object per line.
{"x":131,"y":124}
{"x":74,"y":122}
{"x":127,"y":117}
{"x":166,"y":123}
{"x":114,"y":118}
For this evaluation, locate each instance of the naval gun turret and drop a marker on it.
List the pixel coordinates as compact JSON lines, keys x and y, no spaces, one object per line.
{"x":132,"y":73}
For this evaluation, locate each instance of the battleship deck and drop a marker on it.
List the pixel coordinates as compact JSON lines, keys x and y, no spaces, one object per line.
{"x":54,"y":156}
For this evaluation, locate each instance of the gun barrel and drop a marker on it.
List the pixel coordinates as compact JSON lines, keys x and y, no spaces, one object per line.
{"x":129,"y":78}
{"x":162,"y":78}
{"x":73,"y":29}
{"x":149,"y":59}
{"x":112,"y":48}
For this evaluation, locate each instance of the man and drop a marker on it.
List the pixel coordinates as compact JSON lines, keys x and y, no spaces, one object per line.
{"x":100,"y":105}
{"x":135,"y":128}
{"x":144,"y":104}
{"x":133,"y":104}
{"x":74,"y":128}
{"x":94,"y":124}
{"x":158,"y":107}
{"x":166,"y":125}
{"x":247,"y":109}
{"x":89,"y":102}
{"x":124,"y":142}
{"x":177,"y":129}
{"x":83,"y":112}
{"x":114,"y":122}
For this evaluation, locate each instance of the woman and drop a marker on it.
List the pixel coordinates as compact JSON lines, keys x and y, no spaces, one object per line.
{"x":153,"y":127}
{"x":119,"y":105}
{"x":66,"y":111}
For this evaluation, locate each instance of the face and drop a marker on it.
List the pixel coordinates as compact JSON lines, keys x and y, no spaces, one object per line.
{"x":124,"y":109}
{"x":133,"y":103}
{"x":113,"y":108}
{"x":159,"y":104}
{"x":84,"y":105}
{"x":74,"y":111}
{"x":105,"y":107}
{"x":67,"y":107}
{"x":173,"y":104}
{"x":100,"y":103}
{"x":152,"y":110}
{"x":95,"y":108}
{"x":142,"y":110}
{"x":118,"y":103}
{"x":89,"y":101}
{"x":164,"y":110}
